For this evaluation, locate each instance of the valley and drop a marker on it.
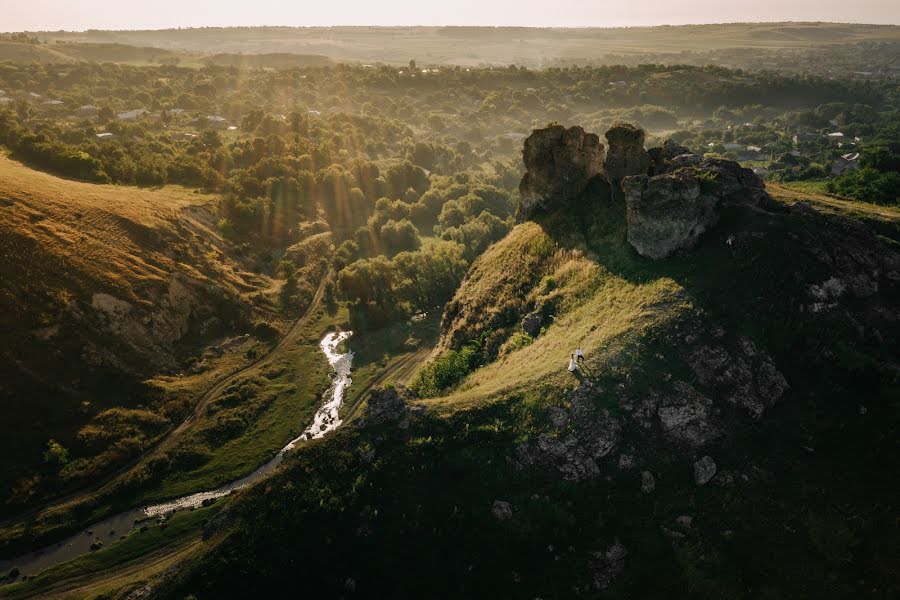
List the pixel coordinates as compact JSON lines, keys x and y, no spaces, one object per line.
{"x":297,"y":312}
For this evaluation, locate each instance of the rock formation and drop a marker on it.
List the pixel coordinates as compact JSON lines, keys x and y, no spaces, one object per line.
{"x":626,"y":154}
{"x":389,"y":404}
{"x":671,"y":195}
{"x":559,"y":163}
{"x":667,"y":213}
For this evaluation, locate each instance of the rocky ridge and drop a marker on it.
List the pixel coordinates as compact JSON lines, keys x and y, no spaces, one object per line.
{"x":671,"y":195}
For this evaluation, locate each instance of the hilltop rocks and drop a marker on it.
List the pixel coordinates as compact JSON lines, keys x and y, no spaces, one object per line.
{"x":671,"y":195}
{"x":390,"y":404}
{"x":667,"y":213}
{"x":685,"y":416}
{"x":559,"y":163}
{"x":626,"y":154}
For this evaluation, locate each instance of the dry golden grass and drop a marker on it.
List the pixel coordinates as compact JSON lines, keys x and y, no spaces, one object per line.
{"x":66,"y":238}
{"x":597,"y":308}
{"x":834,"y":204}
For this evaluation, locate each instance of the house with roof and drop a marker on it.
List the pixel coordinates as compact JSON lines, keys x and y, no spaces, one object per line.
{"x":216,"y":122}
{"x":845,"y":163}
{"x":105,"y":136}
{"x":131,"y":115}
{"x":88,"y":110}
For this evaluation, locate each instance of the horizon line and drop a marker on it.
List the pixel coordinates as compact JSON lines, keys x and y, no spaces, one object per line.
{"x":451,"y":26}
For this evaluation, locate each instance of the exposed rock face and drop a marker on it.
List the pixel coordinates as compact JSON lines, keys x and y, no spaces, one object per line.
{"x":626,"y":155}
{"x":704,"y":470}
{"x":667,"y":213}
{"x":389,"y":405}
{"x":559,"y":163}
{"x":661,"y":156}
{"x":574,"y":454}
{"x":685,"y":416}
{"x":745,"y":376}
{"x":607,"y":565}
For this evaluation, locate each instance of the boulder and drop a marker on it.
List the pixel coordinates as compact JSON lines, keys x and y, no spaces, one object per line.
{"x":389,"y":404}
{"x":685,"y":416}
{"x":667,"y":213}
{"x":626,"y":155}
{"x":648,"y":482}
{"x":559,"y":163}
{"x":704,"y":470}
{"x":501,"y":510}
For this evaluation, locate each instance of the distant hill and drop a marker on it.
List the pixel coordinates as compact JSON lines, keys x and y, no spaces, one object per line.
{"x":276,"y":60}
{"x":27,"y":53}
{"x":103,"y":287}
{"x":119,"y":53}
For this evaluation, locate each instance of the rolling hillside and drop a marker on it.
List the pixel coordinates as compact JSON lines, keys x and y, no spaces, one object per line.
{"x":131,"y":281}
{"x":738,"y":401}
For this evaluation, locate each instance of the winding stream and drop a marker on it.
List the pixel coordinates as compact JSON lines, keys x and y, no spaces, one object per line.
{"x":111,"y":529}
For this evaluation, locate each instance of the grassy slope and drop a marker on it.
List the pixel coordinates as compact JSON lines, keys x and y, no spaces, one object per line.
{"x":423,"y":504}
{"x":62,"y":242}
{"x":597,"y":307}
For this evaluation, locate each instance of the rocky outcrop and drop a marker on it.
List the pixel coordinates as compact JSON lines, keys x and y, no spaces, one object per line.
{"x":626,"y":155}
{"x":671,"y":195}
{"x":667,"y":213}
{"x":559,"y":163}
{"x":745,"y":376}
{"x":607,"y":565}
{"x":589,"y":437}
{"x":685,"y":416}
{"x":389,"y":404}
{"x":502,"y":510}
{"x":704,"y":470}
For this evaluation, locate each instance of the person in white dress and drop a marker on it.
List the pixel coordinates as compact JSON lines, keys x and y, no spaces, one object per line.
{"x":572,"y":365}
{"x":579,"y":355}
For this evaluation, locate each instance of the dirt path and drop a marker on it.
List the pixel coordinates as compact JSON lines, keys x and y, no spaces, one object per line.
{"x":199,"y":410}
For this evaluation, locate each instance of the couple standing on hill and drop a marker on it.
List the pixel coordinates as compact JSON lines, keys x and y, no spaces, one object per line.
{"x":576,"y":358}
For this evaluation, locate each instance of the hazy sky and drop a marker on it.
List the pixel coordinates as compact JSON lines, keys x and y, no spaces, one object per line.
{"x":21,"y":15}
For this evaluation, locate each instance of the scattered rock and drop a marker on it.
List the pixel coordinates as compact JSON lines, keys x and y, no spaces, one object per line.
{"x":559,"y":163}
{"x":607,"y":565}
{"x":704,"y":470}
{"x":390,"y":404}
{"x":648,"y":482}
{"x":532,"y":324}
{"x":685,"y":416}
{"x":574,"y":454}
{"x":501,"y":510}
